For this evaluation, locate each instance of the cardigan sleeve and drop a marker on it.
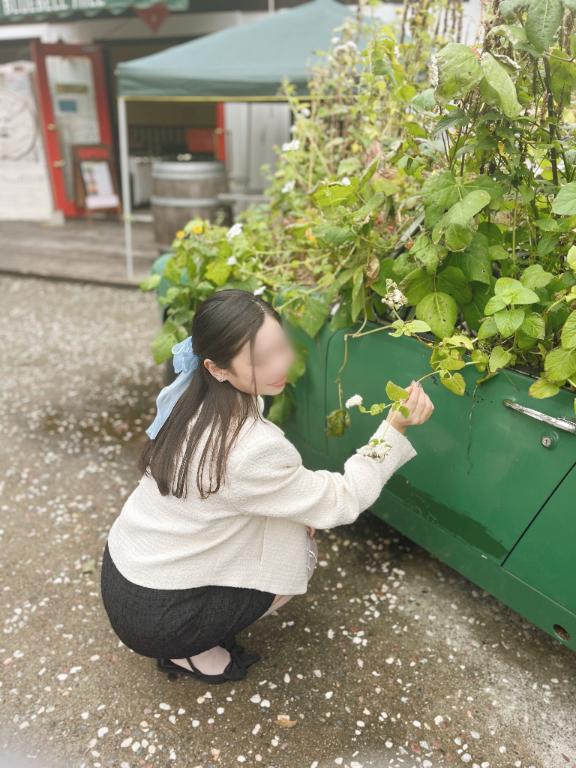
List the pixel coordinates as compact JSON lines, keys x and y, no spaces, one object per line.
{"x":270,"y":479}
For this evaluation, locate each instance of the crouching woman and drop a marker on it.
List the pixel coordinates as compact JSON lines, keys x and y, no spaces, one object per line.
{"x":219,"y":530}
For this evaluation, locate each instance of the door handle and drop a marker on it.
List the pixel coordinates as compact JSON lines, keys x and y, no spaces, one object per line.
{"x":554,"y":421}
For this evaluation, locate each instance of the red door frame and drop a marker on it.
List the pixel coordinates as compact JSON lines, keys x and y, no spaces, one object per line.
{"x":220,"y":132}
{"x":39,"y":52}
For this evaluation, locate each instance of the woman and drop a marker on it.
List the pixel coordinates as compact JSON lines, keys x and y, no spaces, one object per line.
{"x":220,"y":528}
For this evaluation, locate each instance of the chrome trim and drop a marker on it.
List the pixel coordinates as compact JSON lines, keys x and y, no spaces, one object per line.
{"x":567,"y":425}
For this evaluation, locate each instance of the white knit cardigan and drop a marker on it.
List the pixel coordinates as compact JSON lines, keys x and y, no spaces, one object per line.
{"x":252,"y":531}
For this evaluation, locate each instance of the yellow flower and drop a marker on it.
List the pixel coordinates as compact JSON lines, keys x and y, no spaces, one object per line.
{"x":180,"y":234}
{"x":310,"y":236}
{"x":197,"y":229}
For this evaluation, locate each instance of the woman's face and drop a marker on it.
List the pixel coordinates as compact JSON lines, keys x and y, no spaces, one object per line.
{"x":273,"y":357}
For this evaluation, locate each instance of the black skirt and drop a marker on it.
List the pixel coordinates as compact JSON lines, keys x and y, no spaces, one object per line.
{"x":174,"y":623}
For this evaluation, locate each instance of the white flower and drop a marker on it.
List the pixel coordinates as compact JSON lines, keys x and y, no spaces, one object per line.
{"x":335,"y":40}
{"x":345,"y":181}
{"x":288,"y":146}
{"x":335,"y":308}
{"x":234,"y":230}
{"x":231,"y":260}
{"x":433,"y":71}
{"x":354,"y":401}
{"x":394,"y":297}
{"x":260,"y":290}
{"x":345,"y":47}
{"x":289,"y":186}
{"x":305,"y":112}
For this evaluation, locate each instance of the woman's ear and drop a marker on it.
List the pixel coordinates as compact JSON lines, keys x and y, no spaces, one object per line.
{"x":214,"y":370}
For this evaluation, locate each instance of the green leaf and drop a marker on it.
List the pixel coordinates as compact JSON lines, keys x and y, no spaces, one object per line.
{"x":514,"y":34}
{"x":440,"y":311}
{"x":426,"y":253}
{"x":334,"y":193}
{"x":218,"y":271}
{"x":509,"y":7}
{"x":500,"y":84}
{"x":395,"y":392}
{"x":439,"y":192}
{"x":474,"y":261}
{"x":542,"y":22}
{"x":314,"y":316}
{"x":512,"y":291}
{"x":458,"y":71}
{"x":281,"y":408}
{"x":150,"y":282}
{"x":458,"y":237}
{"x":455,"y":383}
{"x":542,"y":388}
{"x":535,"y":276}
{"x":487,"y":328}
{"x":332,"y":235}
{"x":562,"y":75}
{"x":564,"y":203}
{"x":424,"y":101}
{"x":568,"y":335}
{"x":462,"y":212}
{"x":453,"y":281}
{"x":560,"y":364}
{"x":499,"y":358}
{"x":415,"y":326}
{"x":571,"y":258}
{"x":508,"y":321}
{"x":416,"y":285}
{"x":534,"y":325}
{"x":494,"y":304}
{"x":337,"y":421}
{"x":348,"y":166}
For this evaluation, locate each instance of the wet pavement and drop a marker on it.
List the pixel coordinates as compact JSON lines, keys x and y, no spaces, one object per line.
{"x":391,"y":660}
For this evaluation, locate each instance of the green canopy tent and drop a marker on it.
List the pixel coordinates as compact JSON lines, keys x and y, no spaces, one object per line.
{"x":246,"y":63}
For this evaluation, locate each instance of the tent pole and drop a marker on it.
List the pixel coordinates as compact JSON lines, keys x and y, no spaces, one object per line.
{"x":125,"y":173}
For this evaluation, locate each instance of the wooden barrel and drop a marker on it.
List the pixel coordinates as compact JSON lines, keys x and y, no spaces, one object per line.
{"x":185,"y":190}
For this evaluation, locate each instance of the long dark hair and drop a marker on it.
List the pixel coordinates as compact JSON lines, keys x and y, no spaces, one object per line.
{"x":222,"y":324}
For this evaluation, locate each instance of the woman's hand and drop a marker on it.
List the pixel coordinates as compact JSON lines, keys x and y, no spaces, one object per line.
{"x":419,"y":405}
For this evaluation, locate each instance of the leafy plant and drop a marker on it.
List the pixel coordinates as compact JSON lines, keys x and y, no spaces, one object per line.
{"x":428,"y":188}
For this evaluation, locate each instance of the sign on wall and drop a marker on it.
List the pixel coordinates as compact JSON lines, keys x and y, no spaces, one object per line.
{"x":51,"y":10}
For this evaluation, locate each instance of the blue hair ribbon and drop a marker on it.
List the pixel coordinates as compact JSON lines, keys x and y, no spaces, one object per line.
{"x":185,"y":362}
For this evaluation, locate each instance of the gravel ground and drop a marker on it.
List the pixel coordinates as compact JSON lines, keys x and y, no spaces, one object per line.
{"x":391,"y":659}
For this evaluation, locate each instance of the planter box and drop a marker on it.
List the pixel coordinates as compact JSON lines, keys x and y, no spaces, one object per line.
{"x":492,"y":492}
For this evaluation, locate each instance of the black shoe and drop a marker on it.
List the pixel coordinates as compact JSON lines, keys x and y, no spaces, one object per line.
{"x":245,"y":658}
{"x":233,"y":670}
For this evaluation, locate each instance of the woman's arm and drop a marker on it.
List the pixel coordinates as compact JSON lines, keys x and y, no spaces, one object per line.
{"x":269,"y":479}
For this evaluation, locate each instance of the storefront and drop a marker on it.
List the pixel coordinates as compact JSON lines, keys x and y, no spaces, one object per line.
{"x":58,"y":95}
